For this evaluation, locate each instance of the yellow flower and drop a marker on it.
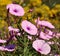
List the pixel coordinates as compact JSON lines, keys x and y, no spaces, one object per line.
{"x":45,"y":7}
{"x":57,"y":6}
{"x":56,"y":9}
{"x":36,"y":2}
{"x":5,"y":2}
{"x":26,"y":9}
{"x":50,"y":13}
{"x":3,"y":24}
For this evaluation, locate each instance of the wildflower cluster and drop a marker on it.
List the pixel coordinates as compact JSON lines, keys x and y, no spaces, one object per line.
{"x":26,"y":27}
{"x":39,"y":33}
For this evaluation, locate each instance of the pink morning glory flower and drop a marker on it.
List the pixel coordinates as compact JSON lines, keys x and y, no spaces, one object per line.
{"x":41,"y":46}
{"x":15,"y":9}
{"x":45,"y":36}
{"x":29,"y":27}
{"x":45,"y":23}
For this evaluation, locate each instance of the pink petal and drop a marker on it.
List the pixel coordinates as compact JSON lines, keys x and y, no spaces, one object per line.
{"x":41,"y":46}
{"x":30,"y":37}
{"x":12,"y":7}
{"x":8,"y":6}
{"x":16,"y":30}
{"x":14,"y":38}
{"x":45,"y":49}
{"x":5,"y":49}
{"x":32,"y":28}
{"x":37,"y":44}
{"x":30,"y":10}
{"x":10,"y":28}
{"x":18,"y":34}
{"x":10,"y":50}
{"x":13,"y":29}
{"x":2,"y":41}
{"x":50,"y":42}
{"x":46,"y":23}
{"x":2,"y":48}
{"x":58,"y":34}
{"x":50,"y":32}
{"x":44,"y":36}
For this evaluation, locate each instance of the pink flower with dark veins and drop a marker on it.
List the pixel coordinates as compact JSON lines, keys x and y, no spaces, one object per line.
{"x":29,"y":27}
{"x":41,"y":46}
{"x":15,"y":9}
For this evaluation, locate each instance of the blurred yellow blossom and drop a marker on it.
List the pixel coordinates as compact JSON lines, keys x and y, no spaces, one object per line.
{"x":36,"y":2}
{"x":44,"y":10}
{"x":56,"y":9}
{"x":3,"y":24}
{"x":5,"y":2}
{"x":57,"y":6}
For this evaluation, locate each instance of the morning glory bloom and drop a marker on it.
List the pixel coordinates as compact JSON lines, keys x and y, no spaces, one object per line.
{"x":45,"y":23}
{"x":29,"y":27}
{"x":15,"y":9}
{"x":41,"y":46}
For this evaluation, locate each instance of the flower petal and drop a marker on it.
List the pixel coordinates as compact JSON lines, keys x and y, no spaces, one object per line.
{"x":45,"y":36}
{"x":30,"y":37}
{"x":2,"y":41}
{"x":29,"y":27}
{"x":2,"y":48}
{"x":10,"y":28}
{"x":37,"y":44}
{"x":46,"y":23}
{"x":15,"y":9}
{"x":41,"y":46}
{"x":45,"y":49}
